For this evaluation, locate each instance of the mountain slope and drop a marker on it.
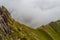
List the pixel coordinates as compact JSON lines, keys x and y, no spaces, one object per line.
{"x":13,"y":30}
{"x":52,"y":29}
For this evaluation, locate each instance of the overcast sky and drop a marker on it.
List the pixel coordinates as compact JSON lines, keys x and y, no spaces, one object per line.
{"x":33,"y":12}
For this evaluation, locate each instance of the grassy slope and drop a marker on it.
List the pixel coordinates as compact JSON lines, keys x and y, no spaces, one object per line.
{"x":20,"y":31}
{"x":52,"y":29}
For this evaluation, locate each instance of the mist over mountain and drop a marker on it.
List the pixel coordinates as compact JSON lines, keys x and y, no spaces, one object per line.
{"x":10,"y":29}
{"x":33,"y":12}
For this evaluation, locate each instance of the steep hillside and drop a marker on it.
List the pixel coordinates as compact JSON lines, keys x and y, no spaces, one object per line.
{"x":13,"y":30}
{"x":52,"y":29}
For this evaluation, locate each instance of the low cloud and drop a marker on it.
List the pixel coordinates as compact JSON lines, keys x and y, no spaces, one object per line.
{"x":33,"y":12}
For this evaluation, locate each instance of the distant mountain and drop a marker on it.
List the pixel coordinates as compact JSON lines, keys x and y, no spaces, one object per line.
{"x":13,"y":30}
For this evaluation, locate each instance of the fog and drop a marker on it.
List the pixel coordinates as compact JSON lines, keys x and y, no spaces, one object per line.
{"x":33,"y":13}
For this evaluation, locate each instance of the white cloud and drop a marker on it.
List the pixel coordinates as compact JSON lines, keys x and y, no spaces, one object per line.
{"x":33,"y":12}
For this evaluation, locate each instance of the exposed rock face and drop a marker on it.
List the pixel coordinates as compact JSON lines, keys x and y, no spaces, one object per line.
{"x":3,"y":22}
